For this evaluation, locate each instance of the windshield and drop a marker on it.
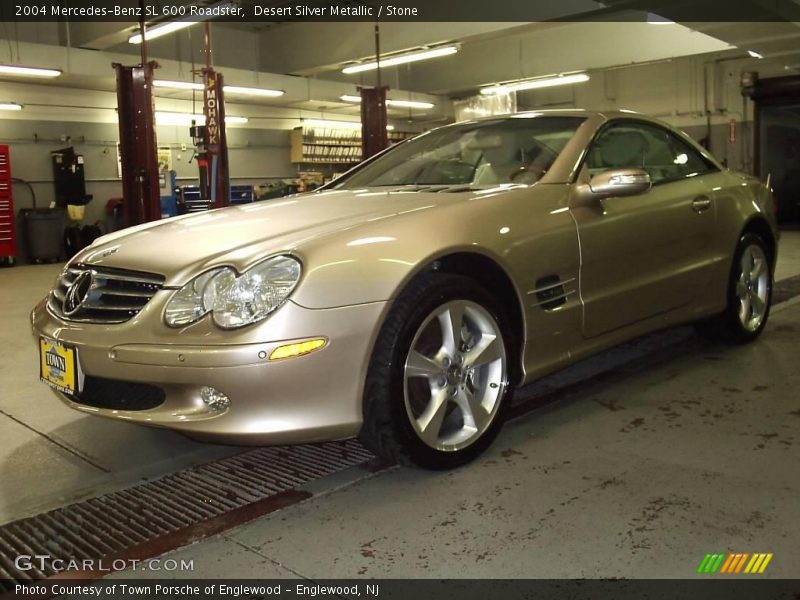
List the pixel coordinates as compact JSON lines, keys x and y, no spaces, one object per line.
{"x":473,"y":154}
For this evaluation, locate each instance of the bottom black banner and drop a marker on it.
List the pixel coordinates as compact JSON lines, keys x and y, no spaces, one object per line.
{"x":415,"y":589}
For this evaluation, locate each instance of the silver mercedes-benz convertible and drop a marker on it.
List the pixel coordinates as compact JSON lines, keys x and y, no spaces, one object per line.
{"x":405,"y":301}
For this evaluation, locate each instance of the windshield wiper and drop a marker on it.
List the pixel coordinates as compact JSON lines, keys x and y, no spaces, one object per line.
{"x":403,"y":187}
{"x":460,"y":187}
{"x":454,"y":189}
{"x":418,"y":187}
{"x":449,"y":188}
{"x":441,"y":187}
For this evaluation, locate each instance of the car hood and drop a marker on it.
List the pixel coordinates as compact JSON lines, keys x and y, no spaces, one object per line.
{"x":239,"y":235}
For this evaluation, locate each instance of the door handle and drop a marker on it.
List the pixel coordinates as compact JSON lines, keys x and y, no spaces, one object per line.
{"x":701,"y":204}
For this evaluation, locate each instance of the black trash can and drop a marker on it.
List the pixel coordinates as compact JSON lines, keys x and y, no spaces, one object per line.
{"x":44,"y":233}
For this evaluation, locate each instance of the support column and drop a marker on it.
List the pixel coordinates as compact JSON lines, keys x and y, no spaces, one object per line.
{"x":137,"y":135}
{"x":373,"y":121}
{"x":216,"y":145}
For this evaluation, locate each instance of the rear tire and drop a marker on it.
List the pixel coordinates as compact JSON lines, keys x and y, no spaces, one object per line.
{"x":437,"y":386}
{"x":749,"y":295}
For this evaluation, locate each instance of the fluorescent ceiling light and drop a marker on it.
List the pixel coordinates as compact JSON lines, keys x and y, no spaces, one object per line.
{"x":754,"y":54}
{"x":231,"y":89}
{"x":410,"y":103}
{"x":337,"y":124}
{"x":28,"y":71}
{"x":199,"y":13}
{"x":404,"y":103}
{"x":177,"y":85}
{"x":402,"y":59}
{"x":248,"y":91}
{"x":173,"y":118}
{"x":159,"y":30}
{"x":532,"y":84}
{"x":10,"y":106}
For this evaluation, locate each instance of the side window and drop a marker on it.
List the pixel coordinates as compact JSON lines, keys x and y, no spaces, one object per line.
{"x":639,"y":145}
{"x":691,"y":162}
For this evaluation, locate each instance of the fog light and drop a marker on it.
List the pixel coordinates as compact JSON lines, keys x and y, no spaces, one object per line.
{"x":298,"y":349}
{"x":214,"y":399}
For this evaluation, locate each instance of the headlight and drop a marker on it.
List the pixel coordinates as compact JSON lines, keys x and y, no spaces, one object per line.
{"x":239,"y":301}
{"x":235,"y":301}
{"x":187,"y":306}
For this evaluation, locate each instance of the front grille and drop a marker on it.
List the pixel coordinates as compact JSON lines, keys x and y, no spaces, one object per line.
{"x":119,"y":395}
{"x":114,"y":296}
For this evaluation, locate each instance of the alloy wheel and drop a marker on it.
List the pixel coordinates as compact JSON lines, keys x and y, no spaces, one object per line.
{"x":455,"y":375}
{"x":752,"y":288}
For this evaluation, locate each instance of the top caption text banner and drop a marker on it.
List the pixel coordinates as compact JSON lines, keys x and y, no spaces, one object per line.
{"x":683,"y":11}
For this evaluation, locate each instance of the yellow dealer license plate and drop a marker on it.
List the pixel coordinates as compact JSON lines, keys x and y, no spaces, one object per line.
{"x":58,"y":366}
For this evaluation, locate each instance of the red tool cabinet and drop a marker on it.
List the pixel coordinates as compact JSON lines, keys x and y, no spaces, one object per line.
{"x":8,"y":237}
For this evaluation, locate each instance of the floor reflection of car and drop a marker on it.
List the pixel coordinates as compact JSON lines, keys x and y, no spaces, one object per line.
{"x":405,"y":301}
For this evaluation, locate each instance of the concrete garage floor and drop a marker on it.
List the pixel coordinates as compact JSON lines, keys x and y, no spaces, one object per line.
{"x":692,"y":451}
{"x":638,"y":479}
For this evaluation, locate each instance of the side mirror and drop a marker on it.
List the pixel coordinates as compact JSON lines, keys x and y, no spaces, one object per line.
{"x":620,"y":182}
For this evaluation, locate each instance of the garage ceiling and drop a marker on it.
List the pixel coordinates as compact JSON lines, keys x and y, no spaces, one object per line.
{"x":490,"y":51}
{"x":279,"y":55}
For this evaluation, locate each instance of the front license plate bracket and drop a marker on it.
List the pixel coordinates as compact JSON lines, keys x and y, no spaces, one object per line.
{"x":59,"y":366}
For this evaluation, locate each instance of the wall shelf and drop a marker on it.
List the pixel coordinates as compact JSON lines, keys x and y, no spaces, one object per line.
{"x":323,"y":145}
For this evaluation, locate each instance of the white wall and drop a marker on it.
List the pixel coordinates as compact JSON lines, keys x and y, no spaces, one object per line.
{"x":674,"y":91}
{"x":255,"y":156}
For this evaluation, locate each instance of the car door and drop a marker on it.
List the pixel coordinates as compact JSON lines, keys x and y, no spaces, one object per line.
{"x":645,"y":254}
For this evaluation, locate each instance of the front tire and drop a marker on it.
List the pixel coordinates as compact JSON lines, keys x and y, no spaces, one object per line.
{"x":437,"y":385}
{"x":749,"y":295}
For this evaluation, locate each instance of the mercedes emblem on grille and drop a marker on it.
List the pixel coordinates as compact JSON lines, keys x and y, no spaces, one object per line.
{"x":77,"y":292}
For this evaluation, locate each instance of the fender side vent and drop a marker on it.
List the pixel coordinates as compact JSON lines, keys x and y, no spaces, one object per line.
{"x":550,"y":292}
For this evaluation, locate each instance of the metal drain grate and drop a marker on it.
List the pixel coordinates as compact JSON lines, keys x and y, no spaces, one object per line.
{"x":110,"y":525}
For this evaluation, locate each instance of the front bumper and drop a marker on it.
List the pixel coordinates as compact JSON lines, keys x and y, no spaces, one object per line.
{"x":309,"y":398}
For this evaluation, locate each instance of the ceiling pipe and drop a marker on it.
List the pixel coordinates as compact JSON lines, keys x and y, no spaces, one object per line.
{"x":207,"y":43}
{"x":143,"y":45}
{"x":378,"y":54}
